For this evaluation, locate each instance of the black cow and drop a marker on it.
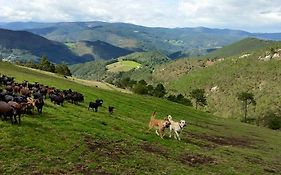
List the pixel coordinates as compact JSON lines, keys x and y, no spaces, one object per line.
{"x":57,"y":99}
{"x":39,"y":103}
{"x":95,"y":105}
{"x":110,"y":109}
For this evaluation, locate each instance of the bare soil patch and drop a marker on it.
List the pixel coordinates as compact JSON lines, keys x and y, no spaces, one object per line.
{"x":221,"y":140}
{"x":196,"y":159}
{"x":107,"y":148}
{"x":83,"y":169}
{"x":153,"y":148}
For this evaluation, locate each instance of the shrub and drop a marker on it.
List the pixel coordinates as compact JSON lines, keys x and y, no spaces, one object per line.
{"x":272,"y":119}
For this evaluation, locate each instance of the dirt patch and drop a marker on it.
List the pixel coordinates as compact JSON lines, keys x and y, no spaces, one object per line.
{"x":201,"y":144}
{"x":83,"y":169}
{"x":153,"y":148}
{"x":107,"y":148}
{"x":221,"y":140}
{"x":196,"y":159}
{"x":270,"y":170}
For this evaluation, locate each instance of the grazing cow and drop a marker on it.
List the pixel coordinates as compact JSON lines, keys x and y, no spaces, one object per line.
{"x":18,"y":110}
{"x":6,"y":110}
{"x":8,"y":98}
{"x":37,"y":95}
{"x":39,"y":103}
{"x":57,"y":99}
{"x":25,"y":92}
{"x":95,"y":105}
{"x":110,"y":109}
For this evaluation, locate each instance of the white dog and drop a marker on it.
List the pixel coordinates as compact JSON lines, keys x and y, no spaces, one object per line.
{"x":177,"y":127}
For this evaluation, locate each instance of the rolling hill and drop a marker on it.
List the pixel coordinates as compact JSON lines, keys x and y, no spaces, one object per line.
{"x":97,"y":50}
{"x":35,"y":46}
{"x":244,"y":46}
{"x":96,"y":70}
{"x":257,"y":72}
{"x":189,"y":41}
{"x":69,"y":139}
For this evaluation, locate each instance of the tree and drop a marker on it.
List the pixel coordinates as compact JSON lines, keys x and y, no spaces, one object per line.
{"x":199,"y":96}
{"x":182,"y":100}
{"x":246,"y":99}
{"x":272,"y":119}
{"x":150,"y":90}
{"x":159,"y":91}
{"x":46,"y":65}
{"x":140,"y":88}
{"x":63,"y":70}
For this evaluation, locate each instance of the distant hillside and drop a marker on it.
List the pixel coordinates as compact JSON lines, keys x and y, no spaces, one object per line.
{"x":247,"y":45}
{"x":97,"y":70}
{"x":189,"y":41}
{"x":97,"y":50}
{"x":93,"y":70}
{"x":122,"y":66}
{"x":222,"y":79}
{"x":35,"y":46}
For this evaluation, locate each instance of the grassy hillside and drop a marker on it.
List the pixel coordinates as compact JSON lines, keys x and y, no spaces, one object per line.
{"x":14,"y":43}
{"x":232,"y":76}
{"x":97,"y":50}
{"x":122,"y":66}
{"x":96,"y":70}
{"x":93,"y":70}
{"x":247,"y":45}
{"x":70,"y":139}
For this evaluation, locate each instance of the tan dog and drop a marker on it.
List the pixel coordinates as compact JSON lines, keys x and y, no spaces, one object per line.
{"x":176,"y":127}
{"x":159,"y":125}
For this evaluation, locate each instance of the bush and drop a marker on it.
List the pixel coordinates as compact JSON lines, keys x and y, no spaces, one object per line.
{"x":272,"y":119}
{"x":180,"y":99}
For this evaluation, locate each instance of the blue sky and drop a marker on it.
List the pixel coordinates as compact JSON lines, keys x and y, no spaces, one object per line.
{"x":250,"y":15}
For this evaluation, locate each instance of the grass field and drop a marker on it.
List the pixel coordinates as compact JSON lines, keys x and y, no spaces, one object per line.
{"x":122,"y":66}
{"x":69,"y":139}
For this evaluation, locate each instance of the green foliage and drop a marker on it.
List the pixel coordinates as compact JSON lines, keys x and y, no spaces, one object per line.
{"x":140,"y":88}
{"x":46,"y":65}
{"x":62,"y":69}
{"x":180,"y":99}
{"x":246,"y":99}
{"x":159,"y":91}
{"x":199,"y":96}
{"x":272,"y":119}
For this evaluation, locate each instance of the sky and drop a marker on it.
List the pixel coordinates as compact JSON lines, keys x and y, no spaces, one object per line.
{"x":250,"y":15}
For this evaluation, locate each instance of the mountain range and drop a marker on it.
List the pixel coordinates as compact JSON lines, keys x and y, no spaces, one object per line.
{"x":187,"y":41}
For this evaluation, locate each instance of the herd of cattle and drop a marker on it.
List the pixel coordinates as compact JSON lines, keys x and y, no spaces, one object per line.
{"x":23,"y":98}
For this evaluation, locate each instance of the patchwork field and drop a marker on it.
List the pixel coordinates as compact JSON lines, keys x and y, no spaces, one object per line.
{"x":69,"y":139}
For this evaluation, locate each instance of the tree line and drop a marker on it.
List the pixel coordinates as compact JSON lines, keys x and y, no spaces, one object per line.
{"x":143,"y":88}
{"x":45,"y":65}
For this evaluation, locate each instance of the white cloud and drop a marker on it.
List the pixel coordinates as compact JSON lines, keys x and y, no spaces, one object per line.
{"x":254,"y":15}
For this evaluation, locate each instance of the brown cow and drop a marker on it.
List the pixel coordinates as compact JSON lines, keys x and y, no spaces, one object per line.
{"x":25,"y":91}
{"x":6,"y":110}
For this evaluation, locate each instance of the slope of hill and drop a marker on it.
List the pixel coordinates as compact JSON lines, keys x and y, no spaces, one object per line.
{"x":123,"y":66}
{"x":232,"y":76}
{"x":97,"y":50}
{"x":92,"y":70}
{"x":96,"y":70}
{"x":189,"y":41}
{"x":36,"y":46}
{"x":247,"y":45}
{"x":69,"y":139}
